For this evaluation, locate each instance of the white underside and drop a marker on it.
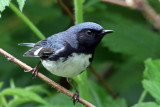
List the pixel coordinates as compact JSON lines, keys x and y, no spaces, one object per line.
{"x":74,"y":65}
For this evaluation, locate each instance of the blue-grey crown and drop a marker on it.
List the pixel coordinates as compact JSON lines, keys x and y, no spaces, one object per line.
{"x":86,"y":25}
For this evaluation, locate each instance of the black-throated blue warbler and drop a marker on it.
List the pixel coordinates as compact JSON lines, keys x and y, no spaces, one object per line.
{"x":70,"y":52}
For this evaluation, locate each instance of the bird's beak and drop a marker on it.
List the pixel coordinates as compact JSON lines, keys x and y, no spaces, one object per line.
{"x":106,"y":31}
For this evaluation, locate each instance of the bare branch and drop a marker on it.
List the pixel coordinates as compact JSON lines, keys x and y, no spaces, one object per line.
{"x":117,"y":2}
{"x":66,"y":9}
{"x":143,"y":6}
{"x":151,"y":15}
{"x":43,"y":77}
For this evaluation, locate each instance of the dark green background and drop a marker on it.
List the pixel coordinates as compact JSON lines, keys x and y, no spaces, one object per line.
{"x":133,"y":41}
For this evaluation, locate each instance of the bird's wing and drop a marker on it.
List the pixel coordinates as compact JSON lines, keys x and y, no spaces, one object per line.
{"x":46,"y":48}
{"x":41,"y":48}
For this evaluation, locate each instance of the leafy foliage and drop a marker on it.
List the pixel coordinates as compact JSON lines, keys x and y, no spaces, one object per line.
{"x":148,"y":104}
{"x":5,"y":3}
{"x":151,"y":80}
{"x":21,"y":4}
{"x":22,"y":95}
{"x":1,"y":84}
{"x":101,"y":98}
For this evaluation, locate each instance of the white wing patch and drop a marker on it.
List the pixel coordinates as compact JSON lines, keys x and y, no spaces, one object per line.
{"x":59,"y":50}
{"x":37,"y":51}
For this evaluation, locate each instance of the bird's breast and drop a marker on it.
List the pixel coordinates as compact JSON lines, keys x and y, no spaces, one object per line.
{"x":68,"y":67}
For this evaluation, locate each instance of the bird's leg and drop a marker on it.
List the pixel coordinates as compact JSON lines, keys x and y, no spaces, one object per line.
{"x":75,"y":97}
{"x":34,"y":71}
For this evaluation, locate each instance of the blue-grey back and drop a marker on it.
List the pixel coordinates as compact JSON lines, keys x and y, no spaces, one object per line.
{"x":59,"y":40}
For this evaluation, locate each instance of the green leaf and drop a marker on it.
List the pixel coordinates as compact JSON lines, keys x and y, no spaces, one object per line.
{"x":1,"y":84}
{"x":3,"y":101}
{"x":146,"y":104}
{"x":118,"y":102}
{"x":18,"y":101}
{"x":3,"y":4}
{"x":131,"y":38}
{"x":82,"y":1}
{"x":100,"y":98}
{"x":151,"y":80}
{"x":12,"y":85}
{"x":95,"y":97}
{"x":21,"y":4}
{"x":24,"y":94}
{"x":38,"y":89}
{"x":61,"y":100}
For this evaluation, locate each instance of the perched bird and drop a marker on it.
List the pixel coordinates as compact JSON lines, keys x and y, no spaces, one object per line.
{"x":70,"y":52}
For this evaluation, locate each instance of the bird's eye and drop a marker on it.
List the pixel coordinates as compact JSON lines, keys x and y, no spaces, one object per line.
{"x":88,"y":32}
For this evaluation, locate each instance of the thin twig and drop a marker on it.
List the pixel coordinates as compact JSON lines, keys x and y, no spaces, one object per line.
{"x":101,"y":79}
{"x":151,"y":14}
{"x":143,"y":6}
{"x":117,"y":2}
{"x":43,"y":77}
{"x":66,"y":9}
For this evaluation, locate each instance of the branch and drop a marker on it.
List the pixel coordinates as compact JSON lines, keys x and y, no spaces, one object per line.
{"x":143,"y":6}
{"x":43,"y":77}
{"x":117,"y":2}
{"x":66,"y":9}
{"x":151,"y":14}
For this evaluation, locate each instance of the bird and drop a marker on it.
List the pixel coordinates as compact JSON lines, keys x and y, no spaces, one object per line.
{"x":69,"y":52}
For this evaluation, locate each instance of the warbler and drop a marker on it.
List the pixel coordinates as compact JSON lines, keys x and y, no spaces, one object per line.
{"x":70,"y":52}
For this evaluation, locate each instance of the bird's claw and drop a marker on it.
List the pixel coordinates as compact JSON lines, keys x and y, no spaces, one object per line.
{"x":34,"y":72}
{"x":75,"y":97}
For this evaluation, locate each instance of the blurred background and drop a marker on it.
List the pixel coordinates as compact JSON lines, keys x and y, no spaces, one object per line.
{"x":119,"y":58}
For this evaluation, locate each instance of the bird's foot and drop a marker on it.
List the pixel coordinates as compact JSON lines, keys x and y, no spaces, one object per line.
{"x":34,"y":71}
{"x":75,"y":97}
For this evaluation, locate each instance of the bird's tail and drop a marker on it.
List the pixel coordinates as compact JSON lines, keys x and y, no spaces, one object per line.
{"x":27,"y":44}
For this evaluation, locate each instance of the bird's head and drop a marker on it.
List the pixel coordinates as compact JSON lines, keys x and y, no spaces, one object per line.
{"x":89,"y":34}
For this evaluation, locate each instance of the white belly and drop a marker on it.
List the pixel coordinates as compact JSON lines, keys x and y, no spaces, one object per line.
{"x":74,"y":65}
